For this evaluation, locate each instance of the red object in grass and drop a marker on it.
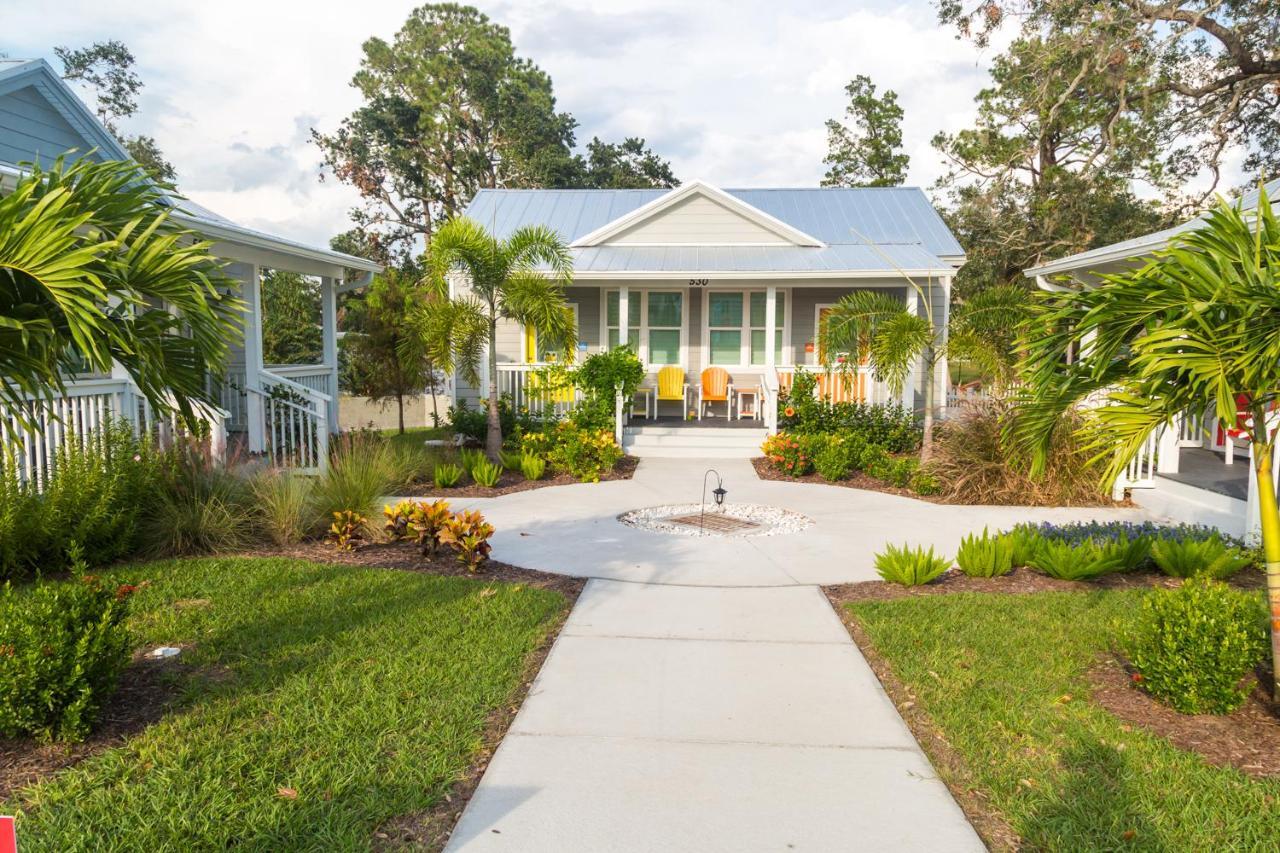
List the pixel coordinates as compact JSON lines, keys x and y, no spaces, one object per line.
{"x":8,"y":835}
{"x":1137,"y":676}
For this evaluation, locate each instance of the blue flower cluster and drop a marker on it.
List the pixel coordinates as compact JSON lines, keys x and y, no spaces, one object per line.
{"x":1077,"y":533}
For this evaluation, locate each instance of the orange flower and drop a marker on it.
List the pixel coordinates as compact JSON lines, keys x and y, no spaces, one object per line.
{"x":789,"y":411}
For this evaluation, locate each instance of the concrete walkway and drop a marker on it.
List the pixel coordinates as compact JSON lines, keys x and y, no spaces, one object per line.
{"x":703,"y":695}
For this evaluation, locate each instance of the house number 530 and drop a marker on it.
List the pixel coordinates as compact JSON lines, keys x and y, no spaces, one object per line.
{"x":699,"y":282}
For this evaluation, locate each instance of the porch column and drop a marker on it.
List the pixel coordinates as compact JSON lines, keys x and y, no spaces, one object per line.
{"x":253,"y":358}
{"x":329,"y":322}
{"x":913,"y":376}
{"x":624,"y":326}
{"x":770,"y":328}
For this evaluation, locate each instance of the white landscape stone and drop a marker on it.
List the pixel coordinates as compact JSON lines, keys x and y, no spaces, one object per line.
{"x":772,"y":520}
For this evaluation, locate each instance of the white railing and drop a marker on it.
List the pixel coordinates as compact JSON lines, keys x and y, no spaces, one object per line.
{"x":853,"y":385}
{"x":769,"y":401}
{"x":317,"y":377}
{"x":1140,"y":472}
{"x":233,"y":398}
{"x":526,"y":389}
{"x":84,"y":409}
{"x":295,"y":423}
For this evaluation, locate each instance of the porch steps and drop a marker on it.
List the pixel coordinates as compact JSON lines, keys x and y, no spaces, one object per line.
{"x":693,"y":442}
{"x":1181,"y":502}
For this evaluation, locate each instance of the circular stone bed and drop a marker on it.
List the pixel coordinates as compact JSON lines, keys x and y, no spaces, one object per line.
{"x":726,"y":521}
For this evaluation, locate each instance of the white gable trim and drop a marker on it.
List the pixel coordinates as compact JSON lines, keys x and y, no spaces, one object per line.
{"x":39,"y":75}
{"x":663,"y":202}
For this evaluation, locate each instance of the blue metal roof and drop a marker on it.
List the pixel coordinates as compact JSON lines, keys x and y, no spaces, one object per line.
{"x":865,"y":229}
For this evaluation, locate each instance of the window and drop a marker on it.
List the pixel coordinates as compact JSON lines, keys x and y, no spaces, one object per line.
{"x":759,"y":302}
{"x":613,"y":311}
{"x":655,"y":324}
{"x":736,"y":323}
{"x":724,"y":319}
{"x":664,"y":322}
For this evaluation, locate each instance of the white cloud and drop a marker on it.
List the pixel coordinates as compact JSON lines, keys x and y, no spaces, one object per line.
{"x":732,"y":92}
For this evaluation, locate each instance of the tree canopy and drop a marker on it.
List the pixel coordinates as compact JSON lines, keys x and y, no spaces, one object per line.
{"x":106,"y":68}
{"x":450,"y":108}
{"x":865,"y":149}
{"x":291,"y":332}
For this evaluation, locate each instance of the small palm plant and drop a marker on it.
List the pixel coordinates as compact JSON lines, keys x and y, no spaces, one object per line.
{"x":883,"y":331}
{"x":520,"y":278}
{"x":1200,"y":321}
{"x":910,"y":566}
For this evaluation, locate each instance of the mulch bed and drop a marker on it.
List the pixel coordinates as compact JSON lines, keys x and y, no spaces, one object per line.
{"x":1247,"y":739}
{"x":514,"y":481}
{"x":144,"y":695}
{"x":1017,"y":582}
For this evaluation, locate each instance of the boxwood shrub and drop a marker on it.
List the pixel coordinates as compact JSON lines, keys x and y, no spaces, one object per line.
{"x":63,"y":646}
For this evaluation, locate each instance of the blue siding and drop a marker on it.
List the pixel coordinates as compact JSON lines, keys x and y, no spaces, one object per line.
{"x":32,"y":130}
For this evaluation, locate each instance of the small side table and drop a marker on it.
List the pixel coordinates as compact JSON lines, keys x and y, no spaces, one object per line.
{"x":752,"y":411}
{"x":649,"y":395}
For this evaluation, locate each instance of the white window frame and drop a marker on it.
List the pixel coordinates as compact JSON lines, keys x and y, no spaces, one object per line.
{"x":638,"y":300}
{"x":526,"y":331}
{"x":744,"y":349}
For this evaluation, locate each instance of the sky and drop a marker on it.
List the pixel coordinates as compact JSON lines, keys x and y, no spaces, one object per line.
{"x":734,"y":93}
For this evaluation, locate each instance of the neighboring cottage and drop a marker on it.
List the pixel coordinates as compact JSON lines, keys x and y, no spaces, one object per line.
{"x":286,"y":411}
{"x":1197,"y":472}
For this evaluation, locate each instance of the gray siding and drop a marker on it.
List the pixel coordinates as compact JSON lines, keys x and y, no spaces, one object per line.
{"x":32,"y":130}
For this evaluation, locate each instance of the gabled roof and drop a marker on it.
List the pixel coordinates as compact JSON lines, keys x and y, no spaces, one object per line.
{"x":40,"y":77}
{"x":850,"y":231}
{"x":662,"y":203}
{"x":1138,"y":247}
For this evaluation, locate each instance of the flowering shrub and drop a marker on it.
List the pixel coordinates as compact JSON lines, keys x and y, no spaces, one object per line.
{"x":587,"y":454}
{"x":787,"y":454}
{"x":63,"y":646}
{"x":1193,"y":645}
{"x":890,"y":425}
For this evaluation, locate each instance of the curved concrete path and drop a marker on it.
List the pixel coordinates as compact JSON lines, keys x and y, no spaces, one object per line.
{"x":574,"y":529}
{"x":703,"y":695}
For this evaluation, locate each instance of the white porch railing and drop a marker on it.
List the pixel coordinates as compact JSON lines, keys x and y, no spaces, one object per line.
{"x":520,"y":383}
{"x":83,"y":410}
{"x":295,"y":429}
{"x":317,"y":377}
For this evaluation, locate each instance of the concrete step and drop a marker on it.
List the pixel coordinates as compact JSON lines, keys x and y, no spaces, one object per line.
{"x":693,"y":442}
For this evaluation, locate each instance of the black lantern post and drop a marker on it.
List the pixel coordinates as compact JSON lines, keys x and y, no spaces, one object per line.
{"x":718,"y":493}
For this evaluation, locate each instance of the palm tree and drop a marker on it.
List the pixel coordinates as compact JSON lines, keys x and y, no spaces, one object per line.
{"x":86,"y":255}
{"x":881,"y":331}
{"x":1200,"y":321}
{"x":521,"y":278}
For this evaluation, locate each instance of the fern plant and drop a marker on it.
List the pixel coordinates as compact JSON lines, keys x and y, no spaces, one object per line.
{"x":1068,"y":562}
{"x":470,"y":457}
{"x":1024,"y":540}
{"x":1133,"y":553}
{"x":1187,"y":558}
{"x":910,"y":566}
{"x":533,"y":467}
{"x":486,"y":474}
{"x":446,"y":475}
{"x":985,"y":556}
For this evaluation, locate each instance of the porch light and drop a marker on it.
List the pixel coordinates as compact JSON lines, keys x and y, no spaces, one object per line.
{"x":719,"y":492}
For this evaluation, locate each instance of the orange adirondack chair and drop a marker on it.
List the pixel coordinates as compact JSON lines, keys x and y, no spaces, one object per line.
{"x":716,"y":387}
{"x":671,"y":387}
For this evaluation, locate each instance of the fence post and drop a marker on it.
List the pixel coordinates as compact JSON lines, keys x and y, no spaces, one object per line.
{"x":617,"y":414}
{"x":322,"y":437}
{"x":1169,"y":446}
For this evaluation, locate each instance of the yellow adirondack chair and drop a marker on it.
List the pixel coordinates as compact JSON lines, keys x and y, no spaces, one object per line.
{"x":716,"y":387}
{"x":671,"y":387}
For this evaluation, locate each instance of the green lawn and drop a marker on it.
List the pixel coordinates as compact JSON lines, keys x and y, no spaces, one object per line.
{"x":363,"y":690}
{"x":1003,"y":677}
{"x":414,"y":436}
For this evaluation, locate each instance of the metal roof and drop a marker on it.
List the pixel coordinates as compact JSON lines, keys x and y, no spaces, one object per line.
{"x":873,"y":229}
{"x":1137,"y":247}
{"x":37,"y":72}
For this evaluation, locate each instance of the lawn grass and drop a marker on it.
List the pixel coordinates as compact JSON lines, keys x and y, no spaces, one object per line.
{"x":414,"y":436}
{"x":1004,"y":679}
{"x":364,"y":691}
